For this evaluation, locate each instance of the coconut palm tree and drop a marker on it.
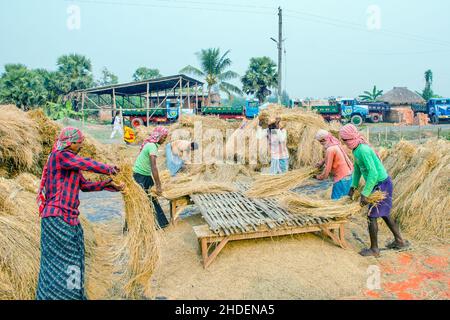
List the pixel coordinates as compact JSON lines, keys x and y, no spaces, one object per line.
{"x":76,"y":71}
{"x":371,"y":96}
{"x":213,"y":68}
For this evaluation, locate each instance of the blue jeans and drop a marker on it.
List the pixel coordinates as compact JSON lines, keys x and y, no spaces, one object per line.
{"x":278,"y":166}
{"x":341,"y":188}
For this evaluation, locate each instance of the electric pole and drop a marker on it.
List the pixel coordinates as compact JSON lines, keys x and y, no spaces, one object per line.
{"x":280,"y":51}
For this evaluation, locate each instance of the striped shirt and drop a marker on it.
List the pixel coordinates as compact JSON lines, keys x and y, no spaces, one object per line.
{"x":64,"y":181}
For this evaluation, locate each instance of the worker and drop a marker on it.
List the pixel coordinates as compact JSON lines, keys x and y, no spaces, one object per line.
{"x":337,"y":163}
{"x":117,"y":125}
{"x":368,"y":164}
{"x":62,"y":263}
{"x":176,"y":151}
{"x":276,"y":135}
{"x":145,"y":170}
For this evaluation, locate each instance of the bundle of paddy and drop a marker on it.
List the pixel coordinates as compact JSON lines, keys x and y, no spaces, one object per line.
{"x":177,"y":190}
{"x":140,"y":251}
{"x":20,"y":246}
{"x":48,"y":131}
{"x":325,"y":208}
{"x":20,"y":145}
{"x":273,"y":185}
{"x":28,"y":181}
{"x":421,"y":176}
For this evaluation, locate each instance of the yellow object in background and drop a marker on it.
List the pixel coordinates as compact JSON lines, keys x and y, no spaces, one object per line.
{"x":129,"y":135}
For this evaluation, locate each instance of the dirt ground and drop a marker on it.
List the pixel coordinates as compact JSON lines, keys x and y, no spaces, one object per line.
{"x":290,"y":267}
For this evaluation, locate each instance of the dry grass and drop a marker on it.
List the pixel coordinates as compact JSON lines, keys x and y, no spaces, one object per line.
{"x":274,"y":185}
{"x":176,"y":190}
{"x":421,"y":176}
{"x":20,"y":145}
{"x":139,"y":252}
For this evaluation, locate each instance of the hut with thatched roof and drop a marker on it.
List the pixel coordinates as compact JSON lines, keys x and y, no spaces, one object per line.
{"x":401,"y":99}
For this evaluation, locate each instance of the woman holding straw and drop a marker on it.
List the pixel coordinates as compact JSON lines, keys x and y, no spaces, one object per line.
{"x":61,"y":274}
{"x":368,"y":164}
{"x":337,"y":163}
{"x":145,"y":170}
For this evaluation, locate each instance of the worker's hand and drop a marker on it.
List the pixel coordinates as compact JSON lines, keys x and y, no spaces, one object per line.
{"x":116,"y":186}
{"x":319,"y":164}
{"x":115,"y":170}
{"x":363,"y":202}
{"x":351,"y":192}
{"x":158,"y":190}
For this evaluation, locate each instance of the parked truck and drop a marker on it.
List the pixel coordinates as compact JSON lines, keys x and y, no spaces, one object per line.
{"x":353,"y":111}
{"x":168,"y":113}
{"x":250,"y":110}
{"x":438,"y":110}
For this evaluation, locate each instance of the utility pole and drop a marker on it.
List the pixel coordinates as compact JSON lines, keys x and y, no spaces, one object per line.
{"x":280,"y":50}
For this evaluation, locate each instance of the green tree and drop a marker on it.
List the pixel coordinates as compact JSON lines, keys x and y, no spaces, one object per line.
{"x":213,"y":68}
{"x":60,"y":110}
{"x":53,"y":82}
{"x":371,"y":96}
{"x":427,"y":92}
{"x":75,"y":71}
{"x":144,"y":73}
{"x":260,"y":76}
{"x":22,"y":87}
{"x":107,"y":78}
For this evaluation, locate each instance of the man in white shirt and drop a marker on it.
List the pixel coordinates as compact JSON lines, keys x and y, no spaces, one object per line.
{"x":117,"y":127}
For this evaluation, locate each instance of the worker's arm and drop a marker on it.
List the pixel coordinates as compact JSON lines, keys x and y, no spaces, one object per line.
{"x":372,"y":174}
{"x":155,"y":174}
{"x":69,"y":160}
{"x":329,"y":158}
{"x":107,"y":185}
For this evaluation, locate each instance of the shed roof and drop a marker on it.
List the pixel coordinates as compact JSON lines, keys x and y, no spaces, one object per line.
{"x":401,"y":96}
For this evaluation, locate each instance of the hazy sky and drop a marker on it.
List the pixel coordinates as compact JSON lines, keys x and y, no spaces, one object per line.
{"x":330,"y":49}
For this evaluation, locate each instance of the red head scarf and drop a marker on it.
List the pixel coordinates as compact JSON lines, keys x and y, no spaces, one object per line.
{"x":157,"y":134}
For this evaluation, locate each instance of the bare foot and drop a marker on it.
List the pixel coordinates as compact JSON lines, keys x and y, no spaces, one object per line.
{"x":370,"y":252}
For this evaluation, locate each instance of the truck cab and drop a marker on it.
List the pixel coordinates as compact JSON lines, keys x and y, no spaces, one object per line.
{"x":251,"y":108}
{"x":353,"y":111}
{"x":439,"y":110}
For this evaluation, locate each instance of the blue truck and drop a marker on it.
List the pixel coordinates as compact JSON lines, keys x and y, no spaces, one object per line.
{"x":438,"y":109}
{"x":353,"y":111}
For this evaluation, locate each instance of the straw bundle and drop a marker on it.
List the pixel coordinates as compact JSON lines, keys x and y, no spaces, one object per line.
{"x":269,"y":186}
{"x":140,"y":251}
{"x":325,"y":208}
{"x":421,"y":176}
{"x":28,"y":181}
{"x":20,"y":145}
{"x":176,"y":190}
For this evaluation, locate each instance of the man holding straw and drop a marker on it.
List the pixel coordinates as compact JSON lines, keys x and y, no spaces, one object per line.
{"x":276,"y":135}
{"x":336,"y":163}
{"x":61,"y":274}
{"x":368,"y":164}
{"x":145,"y":170}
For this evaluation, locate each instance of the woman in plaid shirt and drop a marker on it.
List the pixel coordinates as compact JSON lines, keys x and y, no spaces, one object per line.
{"x":61,"y":274}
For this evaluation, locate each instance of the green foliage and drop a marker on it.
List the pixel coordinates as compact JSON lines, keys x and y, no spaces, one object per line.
{"x":260,"y":76}
{"x":144,"y":73}
{"x":75,"y":71}
{"x":22,"y":87}
{"x":371,"y":96}
{"x":107,"y":78}
{"x":427,"y":93}
{"x":60,"y":110}
{"x":213,"y":67}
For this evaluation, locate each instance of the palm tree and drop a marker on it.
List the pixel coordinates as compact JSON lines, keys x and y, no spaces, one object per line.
{"x":427,"y":93}
{"x":213,"y":67}
{"x":76,"y":70}
{"x":371,"y":96}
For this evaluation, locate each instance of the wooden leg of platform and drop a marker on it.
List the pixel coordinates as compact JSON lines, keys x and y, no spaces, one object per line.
{"x":344,"y":244}
{"x":331,"y":235}
{"x":210,"y":258}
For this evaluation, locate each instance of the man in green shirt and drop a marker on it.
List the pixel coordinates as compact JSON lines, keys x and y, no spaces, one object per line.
{"x":145,"y":169}
{"x":368,"y":165}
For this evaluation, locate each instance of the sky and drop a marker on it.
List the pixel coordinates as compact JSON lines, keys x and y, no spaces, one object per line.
{"x":333,"y":48}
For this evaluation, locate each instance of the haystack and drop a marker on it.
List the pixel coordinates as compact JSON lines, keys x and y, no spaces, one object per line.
{"x":21,"y":144}
{"x":421,"y":176}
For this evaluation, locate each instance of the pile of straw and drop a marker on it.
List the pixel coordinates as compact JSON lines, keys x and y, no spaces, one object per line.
{"x":421,"y":176}
{"x":139,"y":252}
{"x":274,"y":185}
{"x":20,"y":145}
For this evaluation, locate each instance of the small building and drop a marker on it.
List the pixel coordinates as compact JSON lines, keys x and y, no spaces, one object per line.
{"x":401,"y":99}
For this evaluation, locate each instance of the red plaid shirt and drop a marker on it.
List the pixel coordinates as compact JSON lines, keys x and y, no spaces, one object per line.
{"x":64,"y":181}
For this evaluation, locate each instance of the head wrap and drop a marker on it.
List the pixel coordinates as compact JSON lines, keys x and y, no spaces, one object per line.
{"x":352,"y":138}
{"x":329,"y":141}
{"x":157,"y":134}
{"x":67,"y":136}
